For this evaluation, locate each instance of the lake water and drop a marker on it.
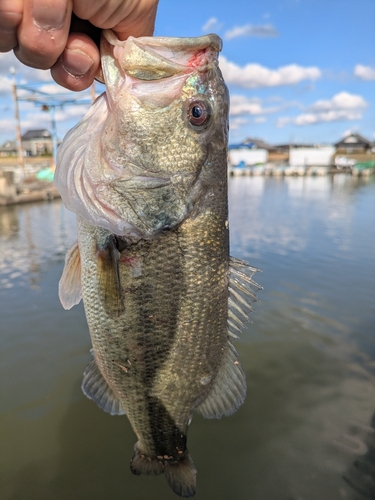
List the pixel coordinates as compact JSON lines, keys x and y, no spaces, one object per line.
{"x":307,"y":428}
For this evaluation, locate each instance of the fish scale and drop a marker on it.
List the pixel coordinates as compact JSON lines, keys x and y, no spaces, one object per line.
{"x":161,"y":294}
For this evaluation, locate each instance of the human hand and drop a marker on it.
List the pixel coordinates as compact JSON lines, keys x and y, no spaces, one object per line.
{"x":46,"y":34}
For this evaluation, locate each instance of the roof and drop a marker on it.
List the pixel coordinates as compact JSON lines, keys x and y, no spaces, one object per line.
{"x":257,"y":143}
{"x":353,"y":139}
{"x":36,"y":134}
{"x":241,"y":146}
{"x":251,"y":144}
{"x":9,"y":146}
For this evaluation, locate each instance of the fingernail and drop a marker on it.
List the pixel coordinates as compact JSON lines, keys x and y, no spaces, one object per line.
{"x":48,"y":16}
{"x":76,"y":63}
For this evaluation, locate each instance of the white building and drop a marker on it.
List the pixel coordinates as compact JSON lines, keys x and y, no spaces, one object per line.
{"x":311,"y":156}
{"x":247,"y":156}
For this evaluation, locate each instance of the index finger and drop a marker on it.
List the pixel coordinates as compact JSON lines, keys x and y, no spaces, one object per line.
{"x":43,"y":32}
{"x":10,"y":18}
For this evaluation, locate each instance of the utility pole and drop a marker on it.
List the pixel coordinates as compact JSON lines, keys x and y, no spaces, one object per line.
{"x":17,"y":118}
{"x":51,"y":108}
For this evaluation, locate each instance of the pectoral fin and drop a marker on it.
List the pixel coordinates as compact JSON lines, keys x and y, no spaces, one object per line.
{"x":70,"y":289}
{"x":109,"y":277}
{"x":95,"y":387}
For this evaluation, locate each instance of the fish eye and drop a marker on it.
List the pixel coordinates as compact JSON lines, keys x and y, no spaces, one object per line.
{"x":199,"y":113}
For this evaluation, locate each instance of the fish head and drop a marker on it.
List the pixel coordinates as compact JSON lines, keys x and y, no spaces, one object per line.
{"x":154,"y":145}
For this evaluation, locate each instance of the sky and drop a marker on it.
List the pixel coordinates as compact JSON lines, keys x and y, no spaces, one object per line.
{"x":298,"y":71}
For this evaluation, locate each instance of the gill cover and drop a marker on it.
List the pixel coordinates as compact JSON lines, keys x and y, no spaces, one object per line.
{"x":113,"y":167}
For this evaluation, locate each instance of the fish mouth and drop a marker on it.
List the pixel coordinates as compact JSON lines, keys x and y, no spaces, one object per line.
{"x":142,"y":182}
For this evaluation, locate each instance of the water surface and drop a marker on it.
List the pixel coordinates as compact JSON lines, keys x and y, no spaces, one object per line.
{"x":307,"y":428}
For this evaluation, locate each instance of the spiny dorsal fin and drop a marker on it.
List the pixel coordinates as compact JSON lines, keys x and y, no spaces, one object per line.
{"x":242,"y":293}
{"x":70,"y":288}
{"x":95,"y":387}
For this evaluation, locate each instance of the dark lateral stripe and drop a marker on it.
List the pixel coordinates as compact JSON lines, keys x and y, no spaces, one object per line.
{"x":169,"y":441}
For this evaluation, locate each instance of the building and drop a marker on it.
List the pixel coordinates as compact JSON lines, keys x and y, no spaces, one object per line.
{"x":37,"y":142}
{"x":313,"y":156}
{"x":9,"y":148}
{"x":246,"y":154}
{"x":354,"y":143}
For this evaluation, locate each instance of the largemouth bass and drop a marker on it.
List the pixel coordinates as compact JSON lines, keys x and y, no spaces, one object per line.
{"x":146,"y":173}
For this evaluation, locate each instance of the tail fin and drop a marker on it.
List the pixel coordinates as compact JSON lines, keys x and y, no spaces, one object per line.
{"x":142,"y":464}
{"x":180,"y":475}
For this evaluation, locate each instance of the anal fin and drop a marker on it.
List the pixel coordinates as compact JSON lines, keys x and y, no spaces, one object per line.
{"x":229,"y":390}
{"x":95,"y":387}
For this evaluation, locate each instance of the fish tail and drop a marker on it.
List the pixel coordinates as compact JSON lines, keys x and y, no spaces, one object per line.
{"x":142,"y":464}
{"x":181,"y":476}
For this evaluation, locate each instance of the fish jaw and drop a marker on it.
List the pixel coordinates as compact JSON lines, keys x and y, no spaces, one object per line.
{"x":134,"y":164}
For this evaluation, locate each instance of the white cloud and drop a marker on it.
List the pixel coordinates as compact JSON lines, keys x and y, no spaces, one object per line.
{"x":256,"y":76}
{"x":241,"y":105}
{"x":340,"y":101}
{"x":349,"y":131}
{"x":5,"y":84}
{"x":24,"y":73}
{"x":261,"y":30}
{"x":211,"y":25}
{"x":77,"y":111}
{"x":236,"y":123}
{"x":364,"y":72}
{"x":7,"y":124}
{"x":342,"y":107}
{"x":260,"y":119}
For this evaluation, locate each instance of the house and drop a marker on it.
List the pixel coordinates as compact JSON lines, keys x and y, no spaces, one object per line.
{"x":254,"y":143}
{"x":37,"y":142}
{"x":354,"y":143}
{"x":9,"y":148}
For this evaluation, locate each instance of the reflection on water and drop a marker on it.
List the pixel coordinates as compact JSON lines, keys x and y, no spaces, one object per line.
{"x":31,"y":236}
{"x":307,"y":428}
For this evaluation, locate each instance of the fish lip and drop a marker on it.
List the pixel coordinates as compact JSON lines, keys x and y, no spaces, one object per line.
{"x":153,"y":181}
{"x":143,"y":182}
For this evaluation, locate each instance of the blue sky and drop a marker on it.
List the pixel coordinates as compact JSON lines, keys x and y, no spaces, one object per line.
{"x":297,"y":70}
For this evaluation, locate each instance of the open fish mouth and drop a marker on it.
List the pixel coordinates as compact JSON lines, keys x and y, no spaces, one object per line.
{"x":143,"y":182}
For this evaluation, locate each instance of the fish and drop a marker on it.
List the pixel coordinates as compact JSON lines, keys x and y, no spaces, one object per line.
{"x":146,"y":173}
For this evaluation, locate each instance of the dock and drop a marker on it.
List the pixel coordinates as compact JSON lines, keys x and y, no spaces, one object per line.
{"x":275,"y":170}
{"x":16,"y":187}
